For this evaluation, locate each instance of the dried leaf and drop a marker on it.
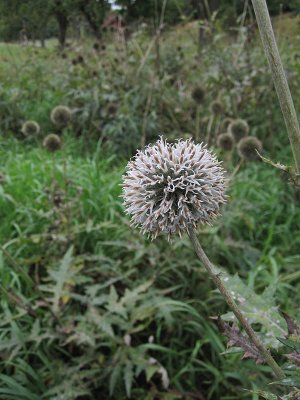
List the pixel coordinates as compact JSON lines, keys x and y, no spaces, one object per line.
{"x":237,"y":339}
{"x":293,"y":327}
{"x":295,"y":358}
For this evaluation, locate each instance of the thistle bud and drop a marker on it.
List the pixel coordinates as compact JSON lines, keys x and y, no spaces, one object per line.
{"x":198,"y":94}
{"x":61,"y":116}
{"x":30,"y":128}
{"x":239,"y":128}
{"x":225,"y":141}
{"x":52,"y":143}
{"x":247,"y":148}
{"x":225,"y":124}
{"x":216,"y":107}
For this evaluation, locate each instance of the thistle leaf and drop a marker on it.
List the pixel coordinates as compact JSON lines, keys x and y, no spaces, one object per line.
{"x":128,"y":377}
{"x":257,"y":308}
{"x":237,"y":339}
{"x":293,"y":327}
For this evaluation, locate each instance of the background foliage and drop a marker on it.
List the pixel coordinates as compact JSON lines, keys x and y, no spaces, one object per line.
{"x":90,"y":309}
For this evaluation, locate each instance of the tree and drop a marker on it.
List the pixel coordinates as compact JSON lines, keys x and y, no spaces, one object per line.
{"x":151,"y":9}
{"x":94,"y":13}
{"x":34,"y":17}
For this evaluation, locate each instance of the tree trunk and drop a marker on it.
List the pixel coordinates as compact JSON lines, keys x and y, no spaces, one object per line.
{"x":94,"y":25}
{"x":63,"y":23}
{"x":198,"y":10}
{"x":42,"y":36}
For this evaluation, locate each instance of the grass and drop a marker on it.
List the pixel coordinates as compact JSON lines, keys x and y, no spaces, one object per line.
{"x":86,"y":300}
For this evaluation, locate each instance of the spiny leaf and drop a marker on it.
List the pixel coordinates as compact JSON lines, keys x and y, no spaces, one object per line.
{"x":293,"y":381}
{"x":114,"y":378}
{"x":128,"y":377}
{"x":60,"y":277}
{"x":266,"y":395}
{"x":293,"y":327}
{"x":258,"y":309}
{"x":237,"y":339}
{"x":295,"y":358}
{"x":291,"y":343}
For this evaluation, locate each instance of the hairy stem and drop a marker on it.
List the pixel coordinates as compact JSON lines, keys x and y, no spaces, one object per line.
{"x":215,"y":276}
{"x":279,"y":77}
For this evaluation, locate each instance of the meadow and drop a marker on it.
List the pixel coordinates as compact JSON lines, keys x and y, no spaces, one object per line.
{"x":90,"y":308}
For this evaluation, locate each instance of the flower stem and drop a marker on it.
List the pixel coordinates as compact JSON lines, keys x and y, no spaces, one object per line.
{"x":279,"y":77}
{"x":215,"y":276}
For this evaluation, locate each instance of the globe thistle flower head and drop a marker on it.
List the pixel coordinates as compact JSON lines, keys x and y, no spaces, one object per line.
{"x":198,"y":94}
{"x":52,"y":143}
{"x":216,"y":107}
{"x":225,"y":141}
{"x":61,"y":116}
{"x":111,"y":109}
{"x":247,"y":147}
{"x":225,"y":124}
{"x":30,"y":128}
{"x":80,"y":59}
{"x":96,"y":46}
{"x":239,"y":128}
{"x":169,"y":187}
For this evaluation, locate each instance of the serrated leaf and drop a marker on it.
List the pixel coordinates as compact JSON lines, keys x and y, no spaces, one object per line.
{"x":294,"y":358}
{"x":290,"y":381}
{"x":237,"y":339}
{"x":128,"y":377}
{"x":292,"y":325}
{"x":265,"y":395}
{"x":114,"y":378}
{"x":258,"y":309}
{"x":292,"y":344}
{"x":150,"y":371}
{"x":60,"y":277}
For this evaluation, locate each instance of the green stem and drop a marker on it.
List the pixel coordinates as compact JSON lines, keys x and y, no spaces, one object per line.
{"x":279,"y":77}
{"x":197,"y":131}
{"x":215,"y":276}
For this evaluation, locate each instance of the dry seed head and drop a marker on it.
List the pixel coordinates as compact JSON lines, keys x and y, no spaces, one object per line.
{"x":247,"y":147}
{"x":30,"y":128}
{"x":198,"y":94}
{"x":169,"y":187}
{"x":61,"y":116}
{"x":239,"y":128}
{"x":225,"y":141}
{"x":52,"y":142}
{"x":216,"y":107}
{"x":111,"y":109}
{"x":225,"y":124}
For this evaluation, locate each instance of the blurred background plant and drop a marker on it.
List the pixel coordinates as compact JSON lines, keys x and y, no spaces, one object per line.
{"x":89,"y":308}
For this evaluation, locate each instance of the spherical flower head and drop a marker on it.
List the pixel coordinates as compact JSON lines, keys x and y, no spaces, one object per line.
{"x":216,"y":107}
{"x":225,"y":124}
{"x":225,"y":141}
{"x":198,"y":94}
{"x":170,"y":187}
{"x":30,"y":128}
{"x":247,"y":147}
{"x":61,"y":116}
{"x":111,"y":109}
{"x":52,"y":143}
{"x":239,"y":128}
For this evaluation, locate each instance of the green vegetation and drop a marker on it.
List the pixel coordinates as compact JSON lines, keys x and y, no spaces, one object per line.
{"x":90,"y":309}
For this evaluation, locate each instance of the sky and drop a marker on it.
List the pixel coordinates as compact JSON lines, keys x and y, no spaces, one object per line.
{"x":113,"y":5}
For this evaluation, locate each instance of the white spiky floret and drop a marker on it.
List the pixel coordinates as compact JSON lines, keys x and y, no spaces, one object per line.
{"x":169,"y":187}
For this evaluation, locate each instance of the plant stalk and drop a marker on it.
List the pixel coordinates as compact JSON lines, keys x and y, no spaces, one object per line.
{"x":215,"y":276}
{"x":279,"y":77}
